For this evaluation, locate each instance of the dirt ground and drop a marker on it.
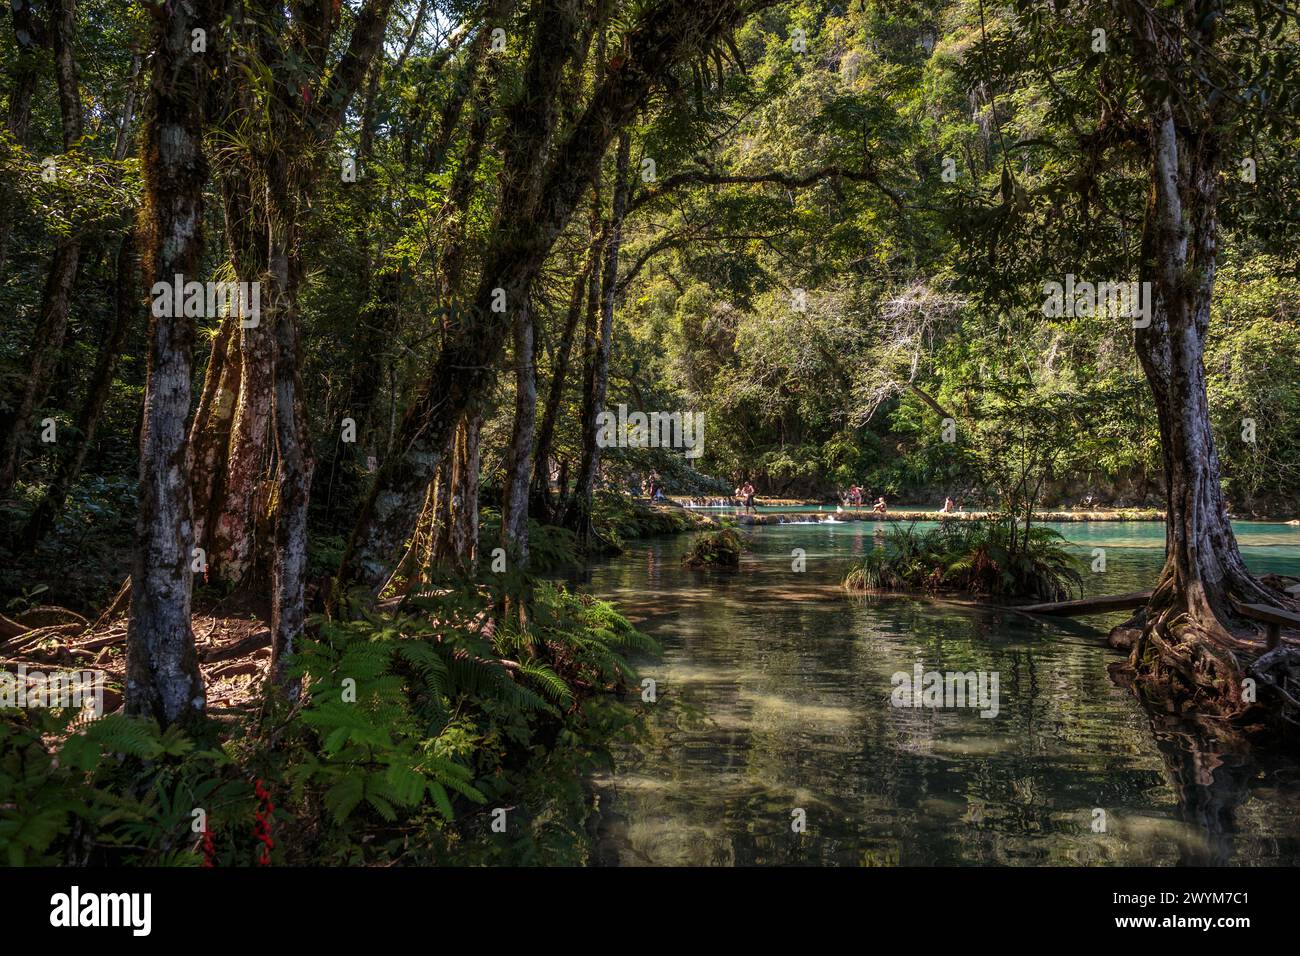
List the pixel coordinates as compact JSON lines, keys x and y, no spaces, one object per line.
{"x":233,"y":641}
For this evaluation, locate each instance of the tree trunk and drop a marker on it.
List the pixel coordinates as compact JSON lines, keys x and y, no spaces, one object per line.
{"x":234,"y":521}
{"x":454,"y":497}
{"x":542,"y":502}
{"x":466,"y":81}
{"x":464,"y":499}
{"x":244,"y":459}
{"x":122,"y":145}
{"x":47,"y":342}
{"x":293,"y":443}
{"x":519,"y":457}
{"x":577,"y":513}
{"x":210,"y":431}
{"x":162,"y":673}
{"x":1187,"y":648}
{"x":231,"y":432}
{"x":598,"y":348}
{"x":29,"y":37}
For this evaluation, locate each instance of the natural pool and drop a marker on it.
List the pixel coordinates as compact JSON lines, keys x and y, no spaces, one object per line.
{"x":774,"y":696}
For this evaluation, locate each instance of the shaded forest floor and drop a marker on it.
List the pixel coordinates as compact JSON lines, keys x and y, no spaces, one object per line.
{"x":232,"y":637}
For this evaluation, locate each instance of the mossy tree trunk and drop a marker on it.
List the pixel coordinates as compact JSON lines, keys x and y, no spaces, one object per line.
{"x":162,"y":673}
{"x":599,"y":338}
{"x":542,"y":502}
{"x":1192,"y":644}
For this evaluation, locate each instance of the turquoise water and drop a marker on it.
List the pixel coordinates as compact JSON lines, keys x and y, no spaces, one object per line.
{"x":774,"y":702}
{"x":806,"y":509}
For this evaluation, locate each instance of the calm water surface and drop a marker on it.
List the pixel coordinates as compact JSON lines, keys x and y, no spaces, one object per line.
{"x":774,"y":694}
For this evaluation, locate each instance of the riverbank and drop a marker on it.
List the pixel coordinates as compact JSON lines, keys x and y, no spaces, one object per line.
{"x":814,"y":517}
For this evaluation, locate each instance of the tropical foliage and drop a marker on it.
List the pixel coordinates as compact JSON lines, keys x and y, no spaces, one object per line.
{"x":994,"y":558}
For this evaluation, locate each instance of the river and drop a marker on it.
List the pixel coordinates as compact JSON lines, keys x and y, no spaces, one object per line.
{"x":774,"y":710}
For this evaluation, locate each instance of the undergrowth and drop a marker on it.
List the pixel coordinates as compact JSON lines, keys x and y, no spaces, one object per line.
{"x":411,"y":737}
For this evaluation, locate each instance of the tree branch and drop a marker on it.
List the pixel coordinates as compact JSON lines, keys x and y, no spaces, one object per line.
{"x":706,"y":177}
{"x":367,"y":36}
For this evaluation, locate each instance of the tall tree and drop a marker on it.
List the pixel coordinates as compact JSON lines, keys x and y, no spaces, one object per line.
{"x":126,"y":294}
{"x":599,"y":339}
{"x":162,"y":673}
{"x":1191,"y":106}
{"x":30,"y":36}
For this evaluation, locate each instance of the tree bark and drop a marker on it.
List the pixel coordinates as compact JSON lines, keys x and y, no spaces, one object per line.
{"x":454,"y":498}
{"x":293,"y":443}
{"x":162,"y":673}
{"x":463,"y":514}
{"x":122,"y":145}
{"x":234,"y":521}
{"x":599,"y":342}
{"x":231,"y":516}
{"x":210,"y":430}
{"x":29,"y":37}
{"x":1187,"y":647}
{"x":555,"y":392}
{"x":519,"y":457}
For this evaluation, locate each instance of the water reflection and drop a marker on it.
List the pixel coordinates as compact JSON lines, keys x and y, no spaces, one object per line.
{"x":774,"y":697}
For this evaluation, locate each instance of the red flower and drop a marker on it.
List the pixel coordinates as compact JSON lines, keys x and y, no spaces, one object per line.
{"x":209,"y":848}
{"x":262,"y":828}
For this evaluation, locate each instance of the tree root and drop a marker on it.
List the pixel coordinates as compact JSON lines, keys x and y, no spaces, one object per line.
{"x":1192,"y":667}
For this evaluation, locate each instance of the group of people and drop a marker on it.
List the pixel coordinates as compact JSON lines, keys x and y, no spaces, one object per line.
{"x":654,"y":487}
{"x":742,"y":498}
{"x":853,"y":499}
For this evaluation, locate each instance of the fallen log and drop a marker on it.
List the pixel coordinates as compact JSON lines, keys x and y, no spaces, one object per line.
{"x":10,"y":628}
{"x":239,"y":648}
{"x":49,"y":615}
{"x":1091,"y":605}
{"x":1274,"y":618}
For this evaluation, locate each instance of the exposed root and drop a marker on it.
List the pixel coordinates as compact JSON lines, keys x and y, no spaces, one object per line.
{"x":1186,"y":659}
